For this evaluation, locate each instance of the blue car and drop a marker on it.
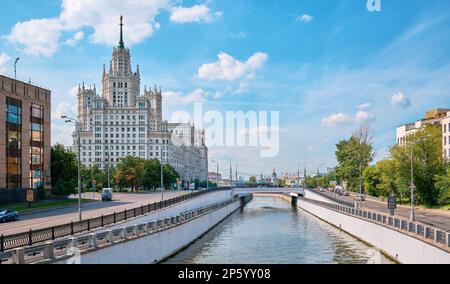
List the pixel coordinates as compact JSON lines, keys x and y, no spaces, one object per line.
{"x":8,"y":215}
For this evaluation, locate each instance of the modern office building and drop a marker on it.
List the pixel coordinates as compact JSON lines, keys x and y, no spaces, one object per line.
{"x":437,"y":116}
{"x":123,"y":121}
{"x":25,"y":145}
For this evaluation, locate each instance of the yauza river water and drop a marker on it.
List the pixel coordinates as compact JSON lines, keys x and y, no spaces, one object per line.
{"x":270,"y":231}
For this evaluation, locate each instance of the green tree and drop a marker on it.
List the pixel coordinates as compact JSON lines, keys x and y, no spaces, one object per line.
{"x":428,"y":163}
{"x":152,"y":174}
{"x":372,"y":178}
{"x":129,"y":173}
{"x":443,"y":185}
{"x":90,"y":174}
{"x":252,"y":180}
{"x":354,"y":156}
{"x":64,"y":171}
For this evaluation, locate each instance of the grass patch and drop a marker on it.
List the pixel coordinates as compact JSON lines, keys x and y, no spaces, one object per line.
{"x":39,"y":205}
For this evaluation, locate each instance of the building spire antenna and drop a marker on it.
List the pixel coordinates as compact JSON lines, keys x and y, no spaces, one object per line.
{"x":121,"y":43}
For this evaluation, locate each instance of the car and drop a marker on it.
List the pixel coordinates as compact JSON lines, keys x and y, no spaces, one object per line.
{"x":8,"y":215}
{"x":345,"y":193}
{"x":107,"y":194}
{"x":361,"y":197}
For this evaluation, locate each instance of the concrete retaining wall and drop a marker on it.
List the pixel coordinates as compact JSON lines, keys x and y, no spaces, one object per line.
{"x":202,"y":201}
{"x":158,"y":246}
{"x":315,"y":196}
{"x":399,"y":246}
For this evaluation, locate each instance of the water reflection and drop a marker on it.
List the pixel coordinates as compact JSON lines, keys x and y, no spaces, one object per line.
{"x":269,"y":231}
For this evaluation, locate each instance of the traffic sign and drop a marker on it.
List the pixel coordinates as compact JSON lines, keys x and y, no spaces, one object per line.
{"x":30,"y":195}
{"x":392,"y":202}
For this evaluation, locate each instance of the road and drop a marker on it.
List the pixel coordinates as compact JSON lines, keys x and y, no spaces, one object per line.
{"x":433,"y":218}
{"x":58,"y":216}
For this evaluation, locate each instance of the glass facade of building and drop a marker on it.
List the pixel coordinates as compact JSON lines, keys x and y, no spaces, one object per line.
{"x":13,"y":143}
{"x":36,"y":145}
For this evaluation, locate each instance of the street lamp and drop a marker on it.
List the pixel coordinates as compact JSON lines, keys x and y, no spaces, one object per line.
{"x":162,"y":178}
{"x":318,"y":167}
{"x":78,"y":130}
{"x":15,"y":67}
{"x":413,"y":187}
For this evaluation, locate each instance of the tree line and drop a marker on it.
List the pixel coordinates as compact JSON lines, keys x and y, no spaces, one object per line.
{"x":130,"y":173}
{"x":430,"y":170}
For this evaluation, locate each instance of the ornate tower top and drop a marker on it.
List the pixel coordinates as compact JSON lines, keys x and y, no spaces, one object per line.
{"x":121,"y":43}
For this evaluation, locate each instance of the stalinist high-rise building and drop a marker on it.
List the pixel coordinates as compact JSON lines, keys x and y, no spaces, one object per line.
{"x":123,"y":121}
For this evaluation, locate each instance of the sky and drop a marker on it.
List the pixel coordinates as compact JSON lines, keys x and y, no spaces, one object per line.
{"x":325,"y":65}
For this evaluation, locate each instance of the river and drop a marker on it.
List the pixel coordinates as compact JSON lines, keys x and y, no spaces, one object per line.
{"x":270,"y":231}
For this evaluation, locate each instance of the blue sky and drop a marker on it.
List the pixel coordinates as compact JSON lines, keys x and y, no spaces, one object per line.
{"x":325,"y":65}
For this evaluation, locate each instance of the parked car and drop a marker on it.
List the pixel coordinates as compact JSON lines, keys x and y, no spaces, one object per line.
{"x":8,"y":215}
{"x":345,"y":193}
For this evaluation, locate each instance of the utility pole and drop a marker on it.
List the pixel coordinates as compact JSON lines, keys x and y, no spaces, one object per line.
{"x":413,"y":213}
{"x":236,"y":173}
{"x":231,"y":176}
{"x":15,"y":68}
{"x":162,"y":178}
{"x":305,"y":182}
{"x":78,"y":130}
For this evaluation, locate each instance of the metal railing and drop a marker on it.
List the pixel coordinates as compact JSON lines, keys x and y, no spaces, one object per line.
{"x":53,"y":250}
{"x":334,"y":198}
{"x":433,"y":235}
{"x":32,"y":237}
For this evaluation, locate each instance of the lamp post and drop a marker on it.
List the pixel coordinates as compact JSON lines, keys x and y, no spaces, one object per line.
{"x":413,"y":187}
{"x":15,"y":68}
{"x":413,"y":213}
{"x":162,"y":177}
{"x":318,"y":174}
{"x":78,"y":130}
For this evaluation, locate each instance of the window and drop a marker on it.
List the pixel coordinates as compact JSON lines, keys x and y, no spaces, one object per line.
{"x":13,"y":143}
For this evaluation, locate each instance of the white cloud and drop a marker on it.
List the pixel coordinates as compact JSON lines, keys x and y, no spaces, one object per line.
{"x":43,"y":36}
{"x":74,"y":92}
{"x":400,"y":100}
{"x":37,"y":37}
{"x":363,"y":116}
{"x":3,"y":59}
{"x":305,"y":18}
{"x":177,"y":98}
{"x":364,"y":106}
{"x":336,"y":119}
{"x":75,"y":38}
{"x":103,"y":17}
{"x":62,"y":133}
{"x":243,"y":88}
{"x":228,"y":68}
{"x":194,"y":14}
{"x":63,"y":109}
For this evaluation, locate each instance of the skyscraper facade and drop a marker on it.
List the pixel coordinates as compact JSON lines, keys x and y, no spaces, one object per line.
{"x":125,"y":121}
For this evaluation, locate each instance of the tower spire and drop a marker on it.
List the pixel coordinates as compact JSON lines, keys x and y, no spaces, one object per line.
{"x":121,"y":43}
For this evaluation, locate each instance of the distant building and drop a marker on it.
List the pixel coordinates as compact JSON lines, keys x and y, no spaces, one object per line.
{"x":123,"y":122}
{"x":437,"y":116}
{"x":214,"y":177}
{"x":25,"y":147}
{"x":446,"y":136}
